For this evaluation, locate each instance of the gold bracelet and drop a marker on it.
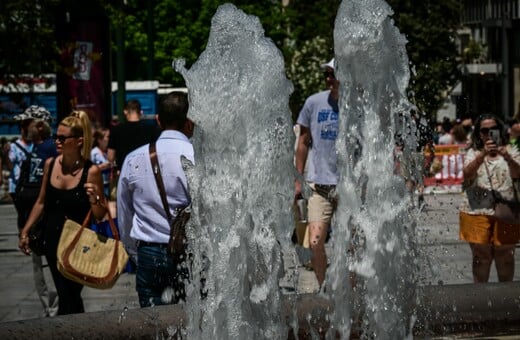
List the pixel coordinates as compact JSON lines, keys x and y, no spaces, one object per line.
{"x":23,"y":237}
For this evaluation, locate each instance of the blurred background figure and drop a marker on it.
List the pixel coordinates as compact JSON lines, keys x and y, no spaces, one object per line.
{"x":129,"y":135}
{"x":99,"y":156}
{"x":445,"y":137}
{"x":411,"y":164}
{"x":514,"y":131}
{"x":28,"y":156}
{"x":460,"y":136}
{"x":126,"y":137}
{"x":467,"y":124}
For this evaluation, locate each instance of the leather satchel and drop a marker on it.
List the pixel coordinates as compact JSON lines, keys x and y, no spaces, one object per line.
{"x":177,"y":244}
{"x":89,"y":258}
{"x":505,"y":210}
{"x":508,"y":211}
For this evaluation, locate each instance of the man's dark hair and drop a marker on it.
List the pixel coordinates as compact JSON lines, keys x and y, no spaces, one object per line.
{"x":173,"y":110}
{"x":133,"y":105}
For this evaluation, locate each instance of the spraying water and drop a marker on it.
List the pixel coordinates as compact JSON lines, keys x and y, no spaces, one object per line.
{"x":242,"y":183}
{"x":372,"y":224}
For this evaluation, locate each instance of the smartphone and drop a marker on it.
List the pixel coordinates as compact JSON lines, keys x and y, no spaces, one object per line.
{"x":495,"y":136}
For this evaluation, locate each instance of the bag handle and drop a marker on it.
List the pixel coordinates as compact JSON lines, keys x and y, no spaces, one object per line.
{"x":490,"y":181}
{"x":113,"y":228}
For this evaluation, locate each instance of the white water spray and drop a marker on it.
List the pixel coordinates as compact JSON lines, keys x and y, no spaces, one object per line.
{"x":372,"y":223}
{"x":242,"y":183}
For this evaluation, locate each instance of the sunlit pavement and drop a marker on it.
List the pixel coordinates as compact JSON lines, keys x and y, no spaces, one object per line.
{"x":437,"y":235}
{"x":443,"y":258}
{"x":17,"y":292}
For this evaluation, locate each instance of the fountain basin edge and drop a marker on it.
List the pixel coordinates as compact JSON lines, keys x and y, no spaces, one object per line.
{"x":442,"y":310}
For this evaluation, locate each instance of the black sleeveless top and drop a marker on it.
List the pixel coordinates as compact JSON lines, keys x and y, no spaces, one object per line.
{"x":64,"y":203}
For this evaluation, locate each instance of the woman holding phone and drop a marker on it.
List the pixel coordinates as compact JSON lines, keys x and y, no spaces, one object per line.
{"x":489,"y":170}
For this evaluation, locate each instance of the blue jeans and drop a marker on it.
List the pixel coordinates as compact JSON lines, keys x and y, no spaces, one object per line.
{"x":156,"y":270}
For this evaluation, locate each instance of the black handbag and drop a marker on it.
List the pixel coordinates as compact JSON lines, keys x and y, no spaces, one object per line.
{"x":37,"y":237}
{"x":506,"y":211}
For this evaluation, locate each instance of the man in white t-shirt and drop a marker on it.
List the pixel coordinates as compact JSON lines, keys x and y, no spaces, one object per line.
{"x":318,"y":121}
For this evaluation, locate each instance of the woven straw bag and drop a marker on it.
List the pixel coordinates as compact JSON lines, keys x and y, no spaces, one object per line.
{"x":89,"y":258}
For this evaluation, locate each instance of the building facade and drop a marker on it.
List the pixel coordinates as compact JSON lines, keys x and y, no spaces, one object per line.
{"x":490,"y":46}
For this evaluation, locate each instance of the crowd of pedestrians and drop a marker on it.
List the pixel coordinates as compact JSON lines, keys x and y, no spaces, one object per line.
{"x":51,"y":178}
{"x":78,"y":168}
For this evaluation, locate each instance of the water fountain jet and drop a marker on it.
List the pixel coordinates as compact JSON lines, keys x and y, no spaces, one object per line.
{"x":241,"y":188}
{"x":241,"y":224}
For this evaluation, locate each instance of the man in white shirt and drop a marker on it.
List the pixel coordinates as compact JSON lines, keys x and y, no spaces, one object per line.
{"x":318,"y":121}
{"x":142,"y":218}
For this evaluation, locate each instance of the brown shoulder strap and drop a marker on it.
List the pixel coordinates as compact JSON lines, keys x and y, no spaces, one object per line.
{"x":158,"y":179}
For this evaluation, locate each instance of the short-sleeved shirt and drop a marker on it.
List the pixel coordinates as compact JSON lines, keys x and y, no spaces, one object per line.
{"x":16,"y":157}
{"x":320,"y":114}
{"x":128,"y":136}
{"x":478,"y":199}
{"x":98,"y":157}
{"x":44,"y":150}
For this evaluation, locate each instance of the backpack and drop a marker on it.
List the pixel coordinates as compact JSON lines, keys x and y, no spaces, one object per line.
{"x":29,"y":183}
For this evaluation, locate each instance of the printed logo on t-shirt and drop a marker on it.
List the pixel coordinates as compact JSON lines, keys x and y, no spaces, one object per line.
{"x":328,"y":120}
{"x":36,"y":173}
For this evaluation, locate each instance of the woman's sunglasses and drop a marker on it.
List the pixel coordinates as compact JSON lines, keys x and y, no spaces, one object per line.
{"x":61,"y":138}
{"x":485,"y":131}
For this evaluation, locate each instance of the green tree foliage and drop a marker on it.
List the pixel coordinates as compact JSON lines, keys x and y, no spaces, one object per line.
{"x":181,"y":30}
{"x":27,"y":36}
{"x":430,"y":27}
{"x":303,"y":31}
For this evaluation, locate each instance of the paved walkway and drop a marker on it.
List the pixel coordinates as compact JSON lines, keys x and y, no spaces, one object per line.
{"x":17,"y":292}
{"x":448,"y":258}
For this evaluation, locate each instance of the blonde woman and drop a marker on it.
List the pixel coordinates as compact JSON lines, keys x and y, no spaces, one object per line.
{"x":71,"y":186}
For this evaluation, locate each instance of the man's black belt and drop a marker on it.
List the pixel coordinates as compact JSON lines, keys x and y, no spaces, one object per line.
{"x":152,"y":244}
{"x":323,"y":189}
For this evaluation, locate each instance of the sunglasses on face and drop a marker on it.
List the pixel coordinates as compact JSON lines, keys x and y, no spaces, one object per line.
{"x":329,"y":74}
{"x":61,"y":138}
{"x":485,"y":131}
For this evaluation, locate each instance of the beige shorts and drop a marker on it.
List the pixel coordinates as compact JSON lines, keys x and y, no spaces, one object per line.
{"x":320,"y":209}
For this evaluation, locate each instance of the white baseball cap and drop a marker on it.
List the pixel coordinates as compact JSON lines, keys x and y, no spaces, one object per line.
{"x":329,"y":64}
